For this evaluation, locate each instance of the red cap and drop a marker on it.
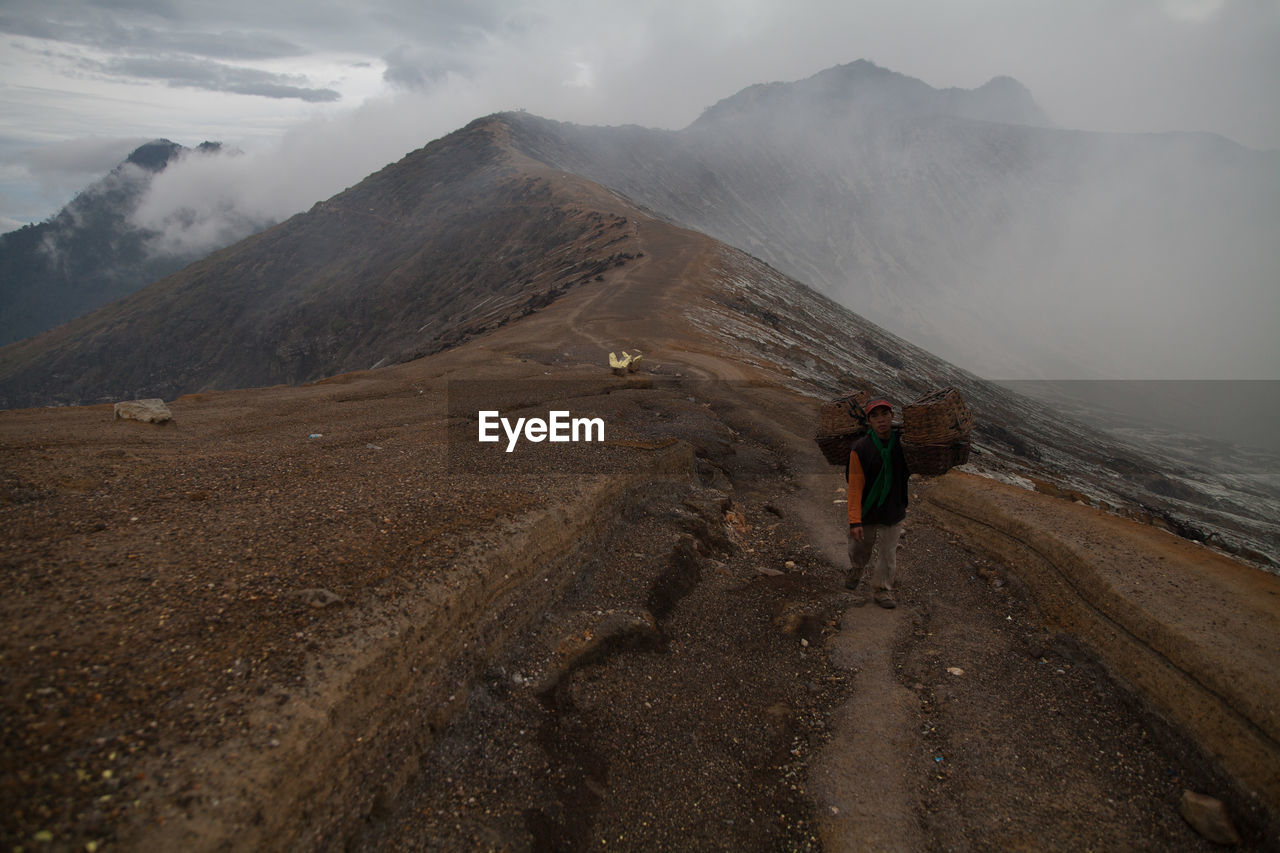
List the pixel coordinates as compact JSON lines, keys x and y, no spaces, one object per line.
{"x":876,"y":404}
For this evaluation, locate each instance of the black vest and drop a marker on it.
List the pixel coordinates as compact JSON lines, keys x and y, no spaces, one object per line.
{"x":894,"y":508}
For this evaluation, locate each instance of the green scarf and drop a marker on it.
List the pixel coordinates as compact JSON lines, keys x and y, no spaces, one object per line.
{"x":879,"y":490}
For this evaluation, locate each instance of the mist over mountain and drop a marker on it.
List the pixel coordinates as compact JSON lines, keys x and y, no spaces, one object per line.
{"x":963,"y":221}
{"x":447,"y":243}
{"x":470,"y":235}
{"x":960,"y":219}
{"x":93,"y":251}
{"x":865,"y":89}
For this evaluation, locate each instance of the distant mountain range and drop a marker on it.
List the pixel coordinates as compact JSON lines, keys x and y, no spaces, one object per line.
{"x":473,"y":233}
{"x":959,"y":219}
{"x":91,"y":252}
{"x":449,"y":242}
{"x":963,"y":221}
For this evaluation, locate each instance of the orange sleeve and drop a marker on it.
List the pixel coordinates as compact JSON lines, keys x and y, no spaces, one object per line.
{"x":856,"y":481}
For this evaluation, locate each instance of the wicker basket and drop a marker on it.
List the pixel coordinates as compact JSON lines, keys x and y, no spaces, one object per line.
{"x":836,"y":448}
{"x":935,"y":435}
{"x":844,"y":415}
{"x":841,"y":421}
{"x":939,"y":417}
{"x":934,"y":460}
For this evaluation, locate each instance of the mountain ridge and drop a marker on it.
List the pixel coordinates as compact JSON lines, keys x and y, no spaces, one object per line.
{"x":961,"y":219}
{"x":470,"y":236}
{"x":966,"y":234}
{"x":347,"y":578}
{"x":863,"y":86}
{"x":340,"y":287}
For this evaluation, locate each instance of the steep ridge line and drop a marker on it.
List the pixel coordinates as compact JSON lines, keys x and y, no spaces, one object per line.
{"x":699,"y":353}
{"x":1227,"y":705}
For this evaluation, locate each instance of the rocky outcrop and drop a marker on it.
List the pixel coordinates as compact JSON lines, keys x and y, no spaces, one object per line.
{"x":151,"y":411}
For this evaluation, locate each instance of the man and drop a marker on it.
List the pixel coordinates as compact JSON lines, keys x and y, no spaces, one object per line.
{"x":877,"y":505}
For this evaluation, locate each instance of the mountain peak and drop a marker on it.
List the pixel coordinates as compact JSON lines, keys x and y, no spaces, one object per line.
{"x":154,"y":155}
{"x":1002,"y":99}
{"x":862,"y":87}
{"x":90,"y":252}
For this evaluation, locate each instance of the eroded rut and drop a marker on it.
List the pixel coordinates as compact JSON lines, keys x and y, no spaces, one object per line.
{"x":703,"y":670}
{"x":669,"y":700}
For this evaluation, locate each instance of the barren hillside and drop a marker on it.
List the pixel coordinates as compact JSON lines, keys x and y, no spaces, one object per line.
{"x":307,"y":617}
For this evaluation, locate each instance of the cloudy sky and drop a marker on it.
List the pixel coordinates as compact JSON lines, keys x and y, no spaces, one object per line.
{"x":319,"y":93}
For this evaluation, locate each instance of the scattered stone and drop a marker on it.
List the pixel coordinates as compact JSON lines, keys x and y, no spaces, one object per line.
{"x":317,"y":598}
{"x":734,"y":520}
{"x":770,"y":573}
{"x":789,"y":564}
{"x":955,"y":670}
{"x":152,"y":411}
{"x":1208,"y":816}
{"x":791,"y":619}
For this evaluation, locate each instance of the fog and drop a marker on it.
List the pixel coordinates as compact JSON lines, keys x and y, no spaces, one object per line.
{"x":1155,"y":258}
{"x":315,"y":96}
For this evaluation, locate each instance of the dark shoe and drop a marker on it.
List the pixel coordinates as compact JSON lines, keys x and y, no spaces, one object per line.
{"x":884,"y":598}
{"x":861,"y":595}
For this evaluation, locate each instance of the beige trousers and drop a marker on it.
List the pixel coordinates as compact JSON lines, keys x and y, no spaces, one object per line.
{"x":886,"y":562}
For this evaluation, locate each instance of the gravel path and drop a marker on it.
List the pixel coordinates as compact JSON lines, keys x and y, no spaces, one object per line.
{"x":321,"y":617}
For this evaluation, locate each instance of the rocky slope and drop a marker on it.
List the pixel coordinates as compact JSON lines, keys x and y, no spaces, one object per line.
{"x":471,"y":233}
{"x":962,"y":221}
{"x":446,"y":244}
{"x":326,"y":616}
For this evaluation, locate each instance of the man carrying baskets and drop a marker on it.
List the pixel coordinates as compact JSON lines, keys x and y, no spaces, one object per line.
{"x":877,"y":506}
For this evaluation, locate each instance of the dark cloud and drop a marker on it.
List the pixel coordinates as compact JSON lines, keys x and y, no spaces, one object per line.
{"x":408,"y":68}
{"x":110,"y":35}
{"x":214,"y":77}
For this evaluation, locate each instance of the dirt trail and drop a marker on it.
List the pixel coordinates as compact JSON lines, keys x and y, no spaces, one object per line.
{"x":873,"y":731}
{"x":668,"y":681}
{"x":229,"y":634}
